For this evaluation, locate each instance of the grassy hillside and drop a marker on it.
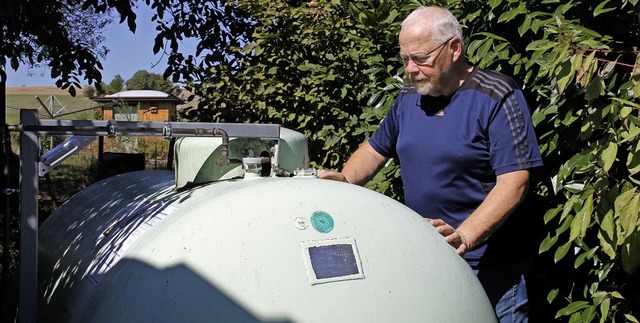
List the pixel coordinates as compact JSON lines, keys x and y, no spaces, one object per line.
{"x":60,"y":100}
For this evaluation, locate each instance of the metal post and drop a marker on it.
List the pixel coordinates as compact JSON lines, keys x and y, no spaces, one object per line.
{"x":4,"y":195}
{"x":27,"y":306}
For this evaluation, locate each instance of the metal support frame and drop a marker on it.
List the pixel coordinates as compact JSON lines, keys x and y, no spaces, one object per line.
{"x":31,"y":128}
{"x":28,"y":302}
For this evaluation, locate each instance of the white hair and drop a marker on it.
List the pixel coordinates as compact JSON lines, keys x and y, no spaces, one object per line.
{"x":442,"y":24}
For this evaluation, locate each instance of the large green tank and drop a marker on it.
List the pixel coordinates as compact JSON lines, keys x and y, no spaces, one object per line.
{"x":133,"y":248}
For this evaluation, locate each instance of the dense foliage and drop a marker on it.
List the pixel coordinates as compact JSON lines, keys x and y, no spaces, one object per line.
{"x":316,"y":67}
{"x":326,"y":68}
{"x":143,"y":80}
{"x":579,"y":63}
{"x":116,"y":85}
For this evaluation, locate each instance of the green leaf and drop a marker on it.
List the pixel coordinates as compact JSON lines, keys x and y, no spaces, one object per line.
{"x":509,"y":15}
{"x":608,"y":156}
{"x":627,"y":102}
{"x":584,"y":257}
{"x":541,"y":45}
{"x":494,"y":3}
{"x":561,"y":252}
{"x":633,"y":159}
{"x":551,"y":213}
{"x":593,"y":89}
{"x":631,"y":318}
{"x":492,"y":36}
{"x":565,"y":224}
{"x":524,"y":27}
{"x":607,"y":247}
{"x":547,"y":243}
{"x":330,"y":141}
{"x":600,"y":9}
{"x":572,"y":308}
{"x":582,"y":220}
{"x":626,"y":206}
{"x":604,"y":307}
{"x":565,"y":73}
{"x":575,"y":318}
{"x":631,"y":135}
{"x":617,"y":295}
{"x":552,"y":295}
{"x":588,"y":314}
{"x":607,"y":225}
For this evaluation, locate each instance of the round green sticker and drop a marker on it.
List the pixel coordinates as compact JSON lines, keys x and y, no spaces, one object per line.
{"x":322,"y":221}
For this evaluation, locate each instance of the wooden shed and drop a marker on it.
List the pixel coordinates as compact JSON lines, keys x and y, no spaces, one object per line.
{"x":139,"y":105}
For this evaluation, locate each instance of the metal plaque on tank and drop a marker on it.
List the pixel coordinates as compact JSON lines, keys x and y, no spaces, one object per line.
{"x":332,"y":260}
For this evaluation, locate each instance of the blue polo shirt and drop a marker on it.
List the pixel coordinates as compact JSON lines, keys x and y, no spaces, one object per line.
{"x":451,"y":149}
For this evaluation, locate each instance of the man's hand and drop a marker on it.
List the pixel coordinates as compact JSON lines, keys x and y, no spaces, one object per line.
{"x":336,"y":176}
{"x":360,"y":168}
{"x":456,"y":238}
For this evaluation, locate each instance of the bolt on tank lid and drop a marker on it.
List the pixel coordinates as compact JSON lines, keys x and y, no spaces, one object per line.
{"x":252,"y":160}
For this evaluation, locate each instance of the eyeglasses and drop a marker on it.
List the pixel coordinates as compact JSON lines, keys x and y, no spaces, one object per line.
{"x":421,"y":59}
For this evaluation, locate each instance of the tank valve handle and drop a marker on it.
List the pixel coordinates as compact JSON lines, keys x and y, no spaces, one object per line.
{"x":224,"y":159}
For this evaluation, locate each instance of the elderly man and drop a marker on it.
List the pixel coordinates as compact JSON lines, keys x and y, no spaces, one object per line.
{"x":466,"y":145}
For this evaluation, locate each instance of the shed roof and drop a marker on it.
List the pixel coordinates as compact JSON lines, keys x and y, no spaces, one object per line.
{"x":137,"y":96}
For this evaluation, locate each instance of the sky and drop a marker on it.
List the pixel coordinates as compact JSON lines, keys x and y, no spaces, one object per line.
{"x":128,"y":53}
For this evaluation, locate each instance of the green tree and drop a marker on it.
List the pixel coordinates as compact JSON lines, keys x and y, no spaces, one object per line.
{"x":64,"y":35}
{"x":89,"y":91}
{"x":143,"y":80}
{"x":116,"y":85}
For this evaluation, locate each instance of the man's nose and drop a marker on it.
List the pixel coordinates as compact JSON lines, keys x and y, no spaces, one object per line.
{"x":411,"y":67}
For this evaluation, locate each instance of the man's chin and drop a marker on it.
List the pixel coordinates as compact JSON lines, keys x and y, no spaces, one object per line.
{"x":423,"y":89}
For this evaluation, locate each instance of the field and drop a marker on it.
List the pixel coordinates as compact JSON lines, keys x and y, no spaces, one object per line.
{"x":57,"y":101}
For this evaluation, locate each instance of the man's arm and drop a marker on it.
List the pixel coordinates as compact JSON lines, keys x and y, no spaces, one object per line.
{"x":508,"y":193}
{"x":360,"y":168}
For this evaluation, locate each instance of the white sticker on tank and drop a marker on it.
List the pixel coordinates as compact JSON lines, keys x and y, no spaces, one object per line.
{"x":301,"y":223}
{"x":119,"y":234}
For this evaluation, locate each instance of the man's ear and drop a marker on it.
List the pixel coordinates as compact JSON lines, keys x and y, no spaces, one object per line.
{"x":456,"y":46}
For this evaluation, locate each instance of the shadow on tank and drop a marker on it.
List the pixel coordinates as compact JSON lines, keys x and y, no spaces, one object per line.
{"x":174,"y":294}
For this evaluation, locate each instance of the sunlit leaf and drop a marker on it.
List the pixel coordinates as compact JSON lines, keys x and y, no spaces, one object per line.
{"x":572,"y":308}
{"x":608,"y":156}
{"x":561,"y":252}
{"x":547,"y":243}
{"x":600,"y":9}
{"x":604,"y":307}
{"x":627,"y":206}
